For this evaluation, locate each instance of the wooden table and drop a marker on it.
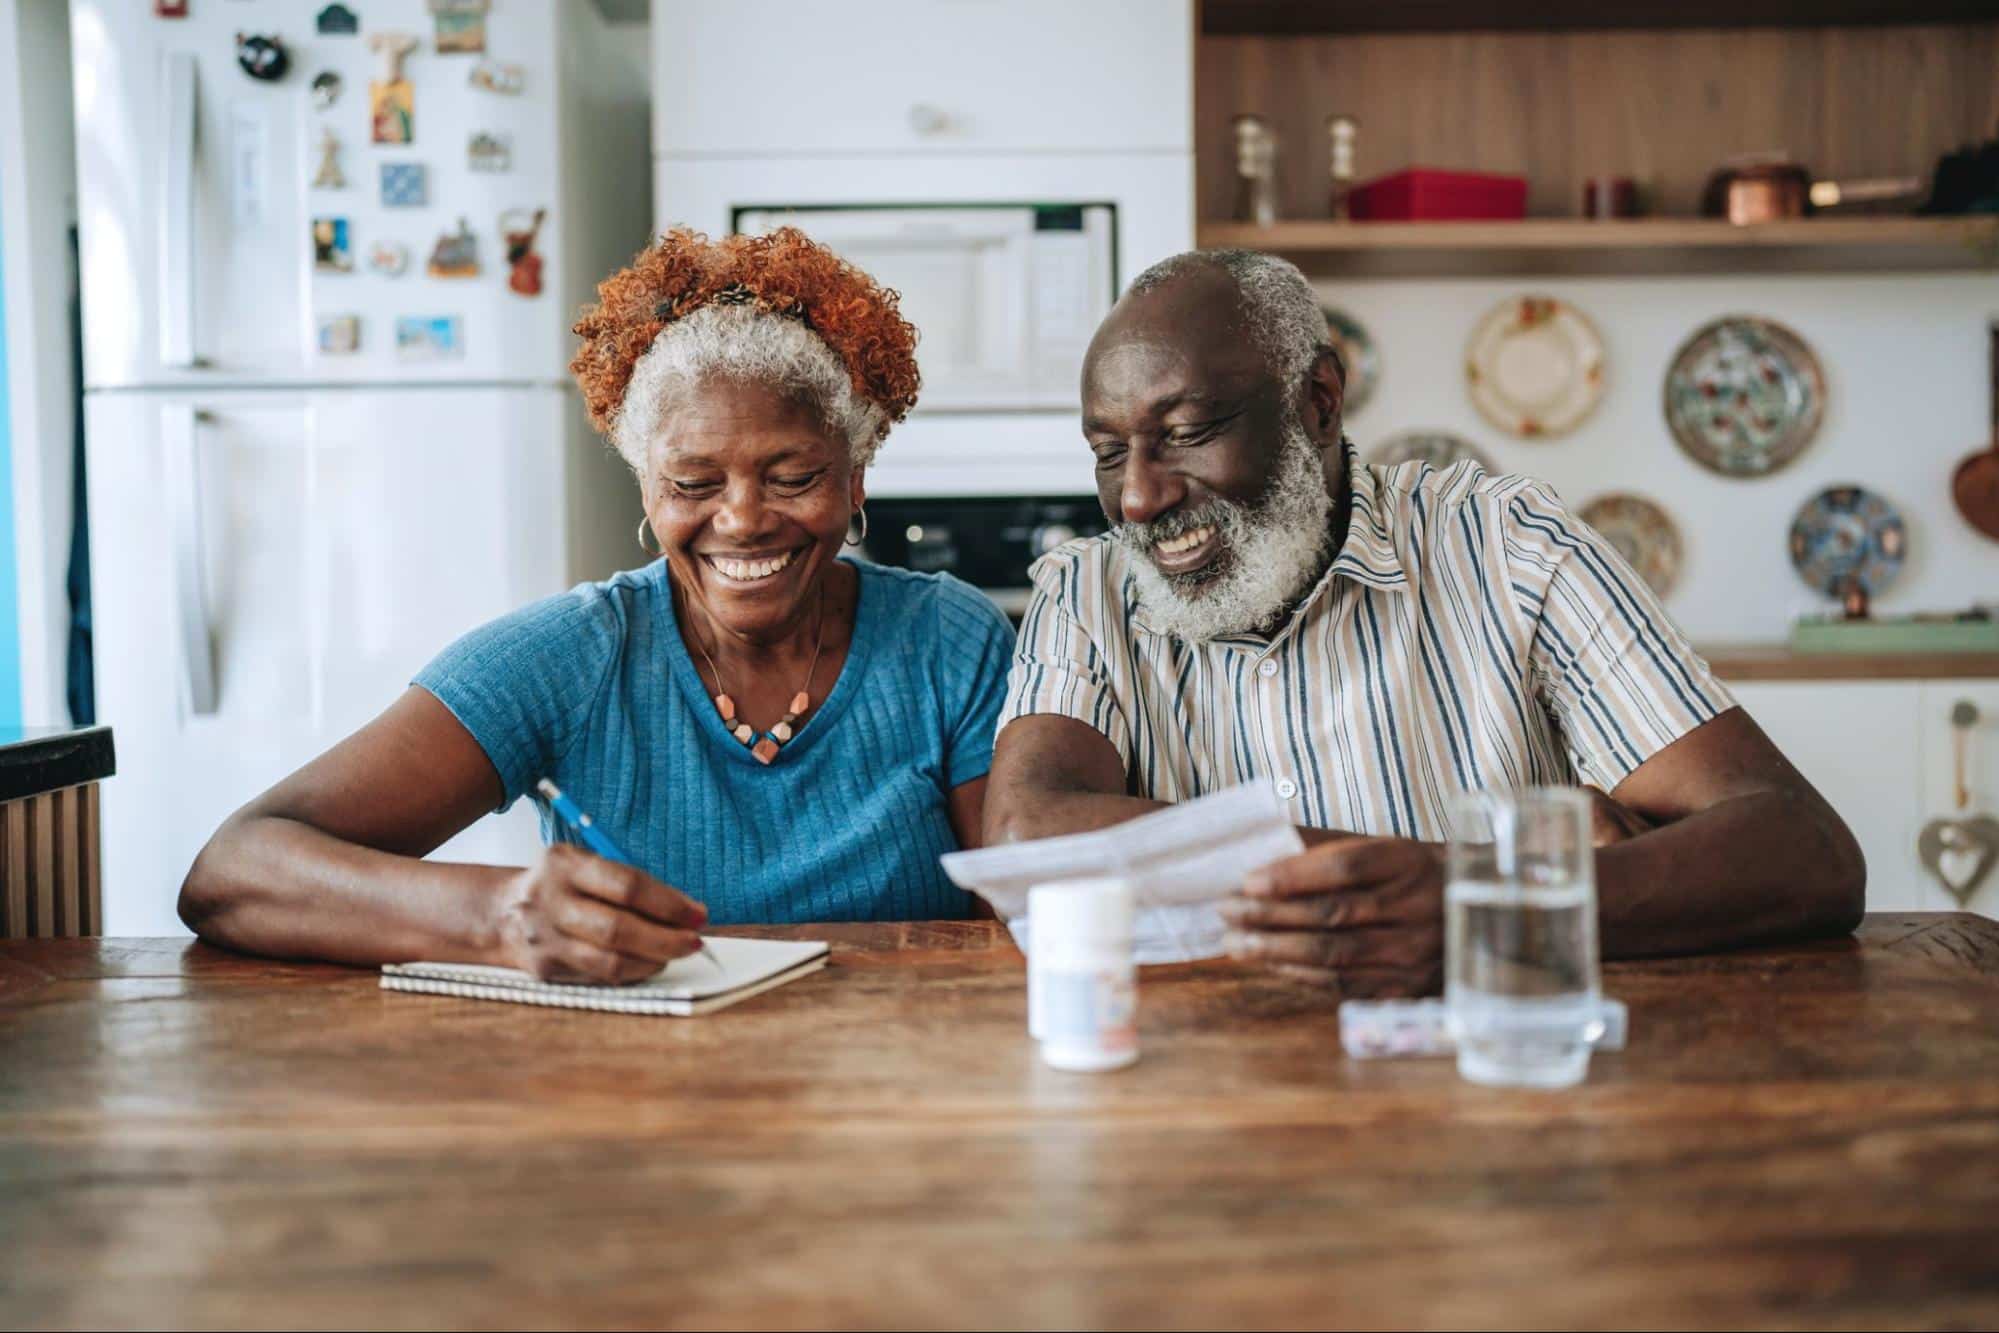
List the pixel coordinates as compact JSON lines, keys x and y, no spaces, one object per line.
{"x":1798,"y":1136}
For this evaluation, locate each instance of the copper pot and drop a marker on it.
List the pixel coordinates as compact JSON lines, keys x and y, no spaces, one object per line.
{"x":1763,"y":191}
{"x":1768,"y":187}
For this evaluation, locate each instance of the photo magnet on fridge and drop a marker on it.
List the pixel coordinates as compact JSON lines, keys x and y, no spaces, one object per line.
{"x":325,"y":90}
{"x":391,"y":99}
{"x":404,"y":185}
{"x":340,"y":335}
{"x":495,"y":77}
{"x":330,"y":246}
{"x":169,"y":9}
{"x":461,"y":26}
{"x":427,"y":337}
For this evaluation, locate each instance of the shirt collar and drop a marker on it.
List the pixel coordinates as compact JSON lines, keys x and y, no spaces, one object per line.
{"x":1367,"y":556}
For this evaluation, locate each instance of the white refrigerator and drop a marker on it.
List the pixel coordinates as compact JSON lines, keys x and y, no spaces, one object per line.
{"x":308,"y":472}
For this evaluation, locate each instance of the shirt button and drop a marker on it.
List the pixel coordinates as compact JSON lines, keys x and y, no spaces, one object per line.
{"x":1287,"y":788}
{"x":1267,"y":668}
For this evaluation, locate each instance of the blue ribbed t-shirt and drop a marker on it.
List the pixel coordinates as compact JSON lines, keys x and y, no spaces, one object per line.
{"x":595,"y":689}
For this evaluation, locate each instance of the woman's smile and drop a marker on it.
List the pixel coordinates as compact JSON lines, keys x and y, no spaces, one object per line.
{"x":751,"y":569}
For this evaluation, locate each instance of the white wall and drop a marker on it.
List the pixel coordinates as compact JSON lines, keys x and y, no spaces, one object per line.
{"x":37,"y":161}
{"x":1905,"y":364}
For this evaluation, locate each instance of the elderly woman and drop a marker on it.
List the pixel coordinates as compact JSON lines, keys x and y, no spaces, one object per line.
{"x":769,"y":731}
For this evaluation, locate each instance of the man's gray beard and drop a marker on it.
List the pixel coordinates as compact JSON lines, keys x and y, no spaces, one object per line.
{"x":1271,"y":553}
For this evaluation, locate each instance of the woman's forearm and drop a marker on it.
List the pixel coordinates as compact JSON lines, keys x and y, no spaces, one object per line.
{"x":1773,"y":865}
{"x":281,"y":888}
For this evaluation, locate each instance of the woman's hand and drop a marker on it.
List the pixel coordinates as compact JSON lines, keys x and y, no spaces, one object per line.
{"x":576,"y":917}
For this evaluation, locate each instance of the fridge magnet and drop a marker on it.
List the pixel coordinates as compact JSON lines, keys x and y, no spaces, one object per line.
{"x":262,"y":57}
{"x":169,"y":9}
{"x":489,"y":152}
{"x":461,"y":26}
{"x":330,"y":252}
{"x":456,"y":254}
{"x":495,"y":77}
{"x":518,"y":228}
{"x":391,"y":100}
{"x":404,"y":185}
{"x":1744,"y":396}
{"x":1535,"y":367}
{"x":325,"y":90}
{"x":389,"y":258}
{"x":427,"y":338}
{"x":337,"y":21}
{"x":328,"y":176}
{"x":340,"y":335}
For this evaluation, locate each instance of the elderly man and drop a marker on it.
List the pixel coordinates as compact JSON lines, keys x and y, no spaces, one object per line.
{"x":1373,"y":641}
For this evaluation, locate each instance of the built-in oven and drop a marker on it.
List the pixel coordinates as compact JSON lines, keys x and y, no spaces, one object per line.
{"x":1006,"y":296}
{"x":986,"y":540}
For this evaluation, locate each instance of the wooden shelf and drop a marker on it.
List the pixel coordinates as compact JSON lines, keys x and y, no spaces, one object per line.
{"x":1776,"y":661}
{"x":1642,"y":245}
{"x":1236,"y":17}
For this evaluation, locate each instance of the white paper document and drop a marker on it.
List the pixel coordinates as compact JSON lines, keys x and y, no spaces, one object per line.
{"x":1179,"y":860}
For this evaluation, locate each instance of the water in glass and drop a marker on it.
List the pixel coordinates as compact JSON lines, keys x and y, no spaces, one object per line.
{"x":1520,"y":991}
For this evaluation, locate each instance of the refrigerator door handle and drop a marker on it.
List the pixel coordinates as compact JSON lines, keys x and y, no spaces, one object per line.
{"x":178,"y":426}
{"x":177,"y":248}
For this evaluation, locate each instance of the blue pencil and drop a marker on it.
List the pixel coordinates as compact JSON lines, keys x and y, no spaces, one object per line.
{"x":596,"y":839}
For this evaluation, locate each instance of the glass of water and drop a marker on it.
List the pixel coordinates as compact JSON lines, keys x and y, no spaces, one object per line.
{"x":1521,"y":995}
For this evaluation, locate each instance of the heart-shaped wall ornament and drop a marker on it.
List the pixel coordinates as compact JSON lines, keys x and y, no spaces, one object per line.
{"x":1960,"y":852}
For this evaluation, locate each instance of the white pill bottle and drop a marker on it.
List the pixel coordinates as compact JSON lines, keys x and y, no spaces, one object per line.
{"x":1082,"y":985}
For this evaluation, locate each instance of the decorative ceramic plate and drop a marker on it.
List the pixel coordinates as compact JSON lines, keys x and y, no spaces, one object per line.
{"x":1744,"y":396}
{"x":1848,"y":538}
{"x":1358,"y":354}
{"x":1438,"y":448}
{"x":1534,"y":367}
{"x":1642,"y":534}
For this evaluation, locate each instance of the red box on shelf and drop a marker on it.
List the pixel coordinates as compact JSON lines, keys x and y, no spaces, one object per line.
{"x":1424,"y":194}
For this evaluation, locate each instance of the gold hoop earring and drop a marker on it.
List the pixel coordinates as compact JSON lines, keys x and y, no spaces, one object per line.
{"x":853,"y":540}
{"x":643,"y":529}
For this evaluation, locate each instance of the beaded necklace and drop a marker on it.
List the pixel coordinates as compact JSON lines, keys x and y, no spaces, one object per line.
{"x":766,"y":747}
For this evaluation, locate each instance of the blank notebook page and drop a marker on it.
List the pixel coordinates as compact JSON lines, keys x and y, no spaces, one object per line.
{"x":690,"y":985}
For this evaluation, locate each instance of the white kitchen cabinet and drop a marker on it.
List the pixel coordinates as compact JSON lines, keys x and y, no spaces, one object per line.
{"x":1880,"y":752}
{"x":749,"y":77}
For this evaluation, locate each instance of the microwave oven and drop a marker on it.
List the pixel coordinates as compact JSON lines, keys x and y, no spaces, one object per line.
{"x":986,"y":540}
{"x":1004,"y":297}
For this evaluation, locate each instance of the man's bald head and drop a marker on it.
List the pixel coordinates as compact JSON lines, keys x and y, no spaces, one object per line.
{"x":1267,"y":300}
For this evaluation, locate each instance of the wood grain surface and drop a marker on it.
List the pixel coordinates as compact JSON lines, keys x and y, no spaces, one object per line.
{"x":1661,"y":107}
{"x":1802,"y":1136}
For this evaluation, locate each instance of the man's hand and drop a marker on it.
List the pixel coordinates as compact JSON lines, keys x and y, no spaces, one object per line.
{"x":1362,"y":915}
{"x":1611,"y":822}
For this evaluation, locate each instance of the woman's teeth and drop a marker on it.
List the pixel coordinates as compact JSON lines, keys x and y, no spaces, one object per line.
{"x":1186,"y":541}
{"x":749,"y":571}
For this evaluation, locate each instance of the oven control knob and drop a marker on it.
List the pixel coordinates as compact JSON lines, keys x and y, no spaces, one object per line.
{"x":1051,"y":535}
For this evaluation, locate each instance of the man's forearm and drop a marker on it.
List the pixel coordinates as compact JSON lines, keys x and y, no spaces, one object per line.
{"x":1764,"y":866}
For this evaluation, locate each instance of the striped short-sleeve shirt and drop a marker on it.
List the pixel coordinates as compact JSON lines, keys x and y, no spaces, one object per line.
{"x":1470,"y":633}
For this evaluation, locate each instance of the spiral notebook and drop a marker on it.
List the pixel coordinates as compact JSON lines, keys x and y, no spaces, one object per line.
{"x":683,"y":988}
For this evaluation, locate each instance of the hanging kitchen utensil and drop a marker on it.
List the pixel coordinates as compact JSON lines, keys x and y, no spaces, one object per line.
{"x":1960,"y":849}
{"x":1975,"y":484}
